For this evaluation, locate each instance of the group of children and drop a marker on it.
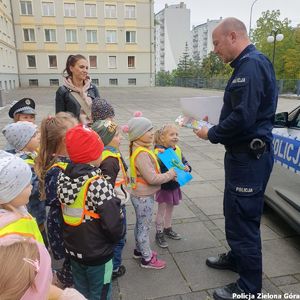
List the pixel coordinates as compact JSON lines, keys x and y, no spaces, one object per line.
{"x":80,"y":175}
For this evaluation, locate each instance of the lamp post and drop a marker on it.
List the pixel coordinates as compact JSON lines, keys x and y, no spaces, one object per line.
{"x":273,"y":38}
{"x":251,"y":16}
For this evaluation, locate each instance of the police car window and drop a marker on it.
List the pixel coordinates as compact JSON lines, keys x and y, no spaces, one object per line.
{"x":295,"y":123}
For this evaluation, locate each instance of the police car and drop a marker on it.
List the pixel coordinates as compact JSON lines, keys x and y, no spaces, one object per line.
{"x":283,"y":190}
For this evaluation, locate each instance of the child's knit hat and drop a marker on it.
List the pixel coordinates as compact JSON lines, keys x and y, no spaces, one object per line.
{"x":15,"y":176}
{"x":19,"y":134}
{"x":83,"y":144}
{"x":106,"y":130}
{"x":101,"y":110}
{"x":137,"y":126}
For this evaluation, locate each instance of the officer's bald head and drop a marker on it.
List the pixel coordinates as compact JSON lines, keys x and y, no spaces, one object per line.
{"x":230,"y":39}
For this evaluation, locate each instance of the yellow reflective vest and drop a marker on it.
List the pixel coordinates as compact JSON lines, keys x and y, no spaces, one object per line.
{"x":122,"y":177}
{"x":74,"y":213}
{"x":59,"y":164}
{"x":133,"y":177}
{"x":177,"y":151}
{"x":25,"y":226}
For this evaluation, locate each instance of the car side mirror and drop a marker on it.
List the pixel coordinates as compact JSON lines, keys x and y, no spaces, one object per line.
{"x":281,"y":120}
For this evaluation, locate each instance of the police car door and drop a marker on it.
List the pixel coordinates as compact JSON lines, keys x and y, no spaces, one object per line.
{"x":285,"y":178}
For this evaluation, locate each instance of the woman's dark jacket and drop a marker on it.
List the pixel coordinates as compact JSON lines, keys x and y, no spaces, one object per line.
{"x":65,"y":101}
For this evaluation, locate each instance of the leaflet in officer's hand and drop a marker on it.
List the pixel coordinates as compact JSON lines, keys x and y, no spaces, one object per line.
{"x":189,"y":122}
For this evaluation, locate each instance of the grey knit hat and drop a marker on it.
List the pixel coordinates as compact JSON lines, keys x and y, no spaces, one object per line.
{"x":15,"y":176}
{"x":106,"y":129}
{"x":19,"y":134}
{"x":137,"y":127}
{"x":101,"y":110}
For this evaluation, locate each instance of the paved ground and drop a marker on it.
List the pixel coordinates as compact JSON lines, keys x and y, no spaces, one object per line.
{"x":198,"y":218}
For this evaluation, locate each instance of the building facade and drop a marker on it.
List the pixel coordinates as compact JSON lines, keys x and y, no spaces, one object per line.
{"x":202,"y":43}
{"x":115,"y":36}
{"x":172,"y":32}
{"x":8,"y":59}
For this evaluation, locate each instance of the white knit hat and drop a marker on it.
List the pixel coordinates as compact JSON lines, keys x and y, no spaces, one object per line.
{"x":19,"y":134}
{"x":15,"y":176}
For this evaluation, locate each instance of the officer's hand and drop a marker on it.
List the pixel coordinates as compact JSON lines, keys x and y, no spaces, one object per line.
{"x":202,"y":132}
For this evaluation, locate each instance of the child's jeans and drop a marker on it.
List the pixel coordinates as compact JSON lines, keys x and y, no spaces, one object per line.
{"x":143,"y":207}
{"x":117,"y":260}
{"x":93,"y":282}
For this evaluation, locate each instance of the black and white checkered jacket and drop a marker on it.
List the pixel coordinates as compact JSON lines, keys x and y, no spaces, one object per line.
{"x":91,"y":242}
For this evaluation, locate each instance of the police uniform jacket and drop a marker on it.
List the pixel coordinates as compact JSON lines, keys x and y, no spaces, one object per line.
{"x":93,"y":241}
{"x":250,"y":101}
{"x":65,"y":101}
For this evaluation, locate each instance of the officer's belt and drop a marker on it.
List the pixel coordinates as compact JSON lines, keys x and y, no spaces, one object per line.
{"x":244,"y":148}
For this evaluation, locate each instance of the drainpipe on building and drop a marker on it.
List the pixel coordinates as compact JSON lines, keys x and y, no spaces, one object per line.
{"x":17,"y":57}
{"x":151,"y":42}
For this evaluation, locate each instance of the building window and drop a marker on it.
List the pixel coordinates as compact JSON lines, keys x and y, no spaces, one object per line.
{"x":29,"y":35}
{"x":91,"y":36}
{"x":52,"y":61}
{"x":95,"y":81}
{"x":54,"y":82}
{"x":26,"y":7}
{"x":48,"y":9}
{"x":90,"y":10}
{"x":93,"y":61}
{"x":69,"y":9}
{"x":131,"y":81}
{"x":31,"y":61}
{"x":130,"y":11}
{"x":131,"y":61}
{"x":112,"y":62}
{"x":110,"y":11}
{"x":130,"y":36}
{"x":50,"y":35}
{"x":113,"y":81}
{"x":111,"y":36}
{"x":33,"y":82}
{"x":71,"y":36}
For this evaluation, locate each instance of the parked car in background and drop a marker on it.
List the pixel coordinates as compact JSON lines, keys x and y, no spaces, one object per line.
{"x":283,"y":190}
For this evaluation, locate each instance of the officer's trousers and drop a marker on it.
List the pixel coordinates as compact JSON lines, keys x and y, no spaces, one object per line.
{"x":246,"y":178}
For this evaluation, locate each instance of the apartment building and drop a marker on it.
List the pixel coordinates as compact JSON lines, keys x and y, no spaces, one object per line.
{"x":115,"y":36}
{"x":8,"y":60}
{"x":202,"y":43}
{"x":172,"y":32}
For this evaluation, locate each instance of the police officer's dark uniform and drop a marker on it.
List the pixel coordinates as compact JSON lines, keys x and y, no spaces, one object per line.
{"x":245,"y":129}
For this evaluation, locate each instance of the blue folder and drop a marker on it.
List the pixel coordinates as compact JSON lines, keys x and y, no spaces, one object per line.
{"x":171,"y":160}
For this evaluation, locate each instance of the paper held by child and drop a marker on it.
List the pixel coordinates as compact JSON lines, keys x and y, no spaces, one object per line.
{"x":171,"y":160}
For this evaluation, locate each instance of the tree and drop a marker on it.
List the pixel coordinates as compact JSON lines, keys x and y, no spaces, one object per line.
{"x":268,"y":24}
{"x":185,"y":64}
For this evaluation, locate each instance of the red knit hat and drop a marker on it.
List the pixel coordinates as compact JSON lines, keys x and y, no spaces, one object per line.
{"x":83,"y":144}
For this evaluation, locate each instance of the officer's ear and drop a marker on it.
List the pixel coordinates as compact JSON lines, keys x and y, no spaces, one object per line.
{"x":233,"y":36}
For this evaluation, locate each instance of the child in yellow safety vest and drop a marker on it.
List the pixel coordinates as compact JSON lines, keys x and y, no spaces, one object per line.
{"x":145,"y":180}
{"x":91,"y":212}
{"x":115,"y":168}
{"x":170,"y":194}
{"x":25,"y":138}
{"x":52,"y":159}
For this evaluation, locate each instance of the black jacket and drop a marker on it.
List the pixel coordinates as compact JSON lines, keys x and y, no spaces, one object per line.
{"x":92,"y":242}
{"x":65,"y":101}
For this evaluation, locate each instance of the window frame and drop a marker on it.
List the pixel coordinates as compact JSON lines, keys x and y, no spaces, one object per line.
{"x":42,"y":8}
{"x":56,"y":80}
{"x":111,"y":66}
{"x":106,"y":36}
{"x":113,"y":84}
{"x":134,"y":62}
{"x":30,"y":40}
{"x":69,"y":3}
{"x":76,"y":36}
{"x":27,"y":61}
{"x":90,"y":65}
{"x":26,"y":14}
{"x":106,"y":15}
{"x":91,"y":4}
{"x":129,"y":17}
{"x":131,"y":79}
{"x":49,"y":65}
{"x":87,"y":36}
{"x":55,"y":35}
{"x":135,"y":37}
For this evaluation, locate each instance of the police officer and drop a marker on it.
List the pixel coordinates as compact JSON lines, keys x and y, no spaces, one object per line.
{"x":245,"y":129}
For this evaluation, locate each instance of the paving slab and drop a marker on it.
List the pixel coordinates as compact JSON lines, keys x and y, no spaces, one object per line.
{"x":293,"y":291}
{"x":201,"y":189}
{"x":284,"y":280}
{"x":198,"y":275}
{"x":280,"y":258}
{"x":189,"y":296}
{"x":151,"y":284}
{"x":209,"y":205}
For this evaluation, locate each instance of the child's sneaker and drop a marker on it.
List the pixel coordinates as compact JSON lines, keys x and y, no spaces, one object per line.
{"x":153,"y":263}
{"x":160,"y":240}
{"x":170,"y":233}
{"x":138,"y":254}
